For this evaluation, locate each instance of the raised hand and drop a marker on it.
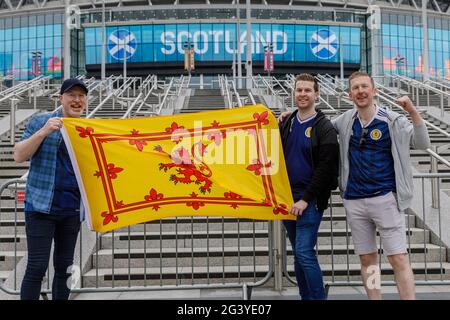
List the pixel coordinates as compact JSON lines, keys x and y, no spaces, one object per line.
{"x":406,"y":104}
{"x":52,"y":125}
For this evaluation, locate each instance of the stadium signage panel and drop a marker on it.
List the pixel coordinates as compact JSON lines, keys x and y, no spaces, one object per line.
{"x":217,"y":42}
{"x":200,"y":40}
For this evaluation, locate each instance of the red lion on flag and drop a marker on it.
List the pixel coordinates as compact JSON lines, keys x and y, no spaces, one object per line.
{"x":186,"y":168}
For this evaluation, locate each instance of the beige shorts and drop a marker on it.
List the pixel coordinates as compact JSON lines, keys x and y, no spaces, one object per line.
{"x":364,"y":216}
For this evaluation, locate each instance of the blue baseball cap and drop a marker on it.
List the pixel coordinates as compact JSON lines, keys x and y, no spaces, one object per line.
{"x":72,"y":82}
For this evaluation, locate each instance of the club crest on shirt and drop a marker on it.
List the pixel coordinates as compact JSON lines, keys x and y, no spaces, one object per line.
{"x":375,"y":134}
{"x":308,"y":132}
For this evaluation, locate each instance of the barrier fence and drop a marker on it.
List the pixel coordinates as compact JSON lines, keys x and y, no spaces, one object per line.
{"x":216,"y":253}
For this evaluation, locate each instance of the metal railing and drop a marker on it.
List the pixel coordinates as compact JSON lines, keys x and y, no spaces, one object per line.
{"x":231,"y":94}
{"x":172,"y":254}
{"x":426,"y":226}
{"x":182,"y":240}
{"x":441,"y":80}
{"x":389,"y":96}
{"x":289,"y":84}
{"x":25,"y":87}
{"x":165,"y":258}
{"x":414,"y":87}
{"x":225,"y":91}
{"x":146,"y":90}
{"x":116,"y":95}
{"x":272,"y":87}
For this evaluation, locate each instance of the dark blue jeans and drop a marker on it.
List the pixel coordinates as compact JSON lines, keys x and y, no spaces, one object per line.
{"x":41,"y":230}
{"x":303,"y":237}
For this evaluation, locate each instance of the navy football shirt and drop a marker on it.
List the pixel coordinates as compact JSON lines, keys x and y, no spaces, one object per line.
{"x":298,"y":155}
{"x":371,"y":164}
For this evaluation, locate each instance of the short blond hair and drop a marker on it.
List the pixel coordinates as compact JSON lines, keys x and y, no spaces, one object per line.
{"x":357,"y":74}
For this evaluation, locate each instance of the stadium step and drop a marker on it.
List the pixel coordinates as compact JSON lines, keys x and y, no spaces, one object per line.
{"x":219,"y":274}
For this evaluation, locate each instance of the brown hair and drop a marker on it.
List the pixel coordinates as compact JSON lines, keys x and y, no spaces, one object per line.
{"x":357,"y":74}
{"x":307,"y":77}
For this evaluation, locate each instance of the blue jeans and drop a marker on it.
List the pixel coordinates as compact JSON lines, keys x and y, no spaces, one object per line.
{"x":303,"y":237}
{"x":41,"y":230}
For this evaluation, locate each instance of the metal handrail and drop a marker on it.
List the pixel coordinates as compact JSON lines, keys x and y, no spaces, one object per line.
{"x":420,"y":85}
{"x":443,"y":80}
{"x":166,"y":95}
{"x":15,"y":184}
{"x":135,"y":102}
{"x":438,"y":157}
{"x":389,"y":100}
{"x":225,"y":91}
{"x":333,"y":110}
{"x":144,"y":87}
{"x":252,"y":99}
{"x":236,"y":93}
{"x":328,"y":84}
{"x":385,"y":97}
{"x":433,"y":154}
{"x":24,"y":87}
{"x":20,"y":85}
{"x":280,"y":96}
{"x":117,"y":93}
{"x":382,"y":95}
{"x":447,"y":87}
{"x":283,"y":89}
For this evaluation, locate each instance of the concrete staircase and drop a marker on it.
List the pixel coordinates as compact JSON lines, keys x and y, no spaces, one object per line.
{"x":12,"y":225}
{"x":204,"y":99}
{"x":194,"y":250}
{"x":215,"y":250}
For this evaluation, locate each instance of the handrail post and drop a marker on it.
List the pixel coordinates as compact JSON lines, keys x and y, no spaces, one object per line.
{"x":277,"y":256}
{"x":417,"y":97}
{"x":292,"y":96}
{"x":13,"y":121}
{"x":34,"y":99}
{"x":434,"y":181}
{"x":87,"y":104}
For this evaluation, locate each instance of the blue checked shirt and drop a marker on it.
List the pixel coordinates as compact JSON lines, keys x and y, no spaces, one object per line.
{"x":41,"y":177}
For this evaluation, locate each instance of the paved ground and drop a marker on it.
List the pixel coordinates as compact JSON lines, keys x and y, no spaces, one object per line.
{"x":335,"y":293}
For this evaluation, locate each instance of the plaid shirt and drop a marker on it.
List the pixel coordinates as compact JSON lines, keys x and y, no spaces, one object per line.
{"x":41,"y":176}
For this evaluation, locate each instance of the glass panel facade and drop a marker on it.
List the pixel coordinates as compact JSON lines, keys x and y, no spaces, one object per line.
{"x":30,"y":46}
{"x":402,"y":39}
{"x":326,"y":14}
{"x":216,"y":42}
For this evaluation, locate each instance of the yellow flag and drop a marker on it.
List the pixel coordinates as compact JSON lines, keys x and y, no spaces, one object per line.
{"x":215,"y":163}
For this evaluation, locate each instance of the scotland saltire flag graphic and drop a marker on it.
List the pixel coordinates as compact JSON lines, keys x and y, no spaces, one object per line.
{"x":324,"y":44}
{"x":120,"y":43}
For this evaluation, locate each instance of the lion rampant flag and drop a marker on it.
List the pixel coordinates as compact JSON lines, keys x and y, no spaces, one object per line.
{"x":215,"y":163}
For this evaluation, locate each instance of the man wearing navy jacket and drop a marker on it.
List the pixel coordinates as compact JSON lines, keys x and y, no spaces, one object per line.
{"x":312,"y":158}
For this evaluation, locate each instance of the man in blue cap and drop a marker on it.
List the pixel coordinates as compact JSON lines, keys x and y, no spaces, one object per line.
{"x":52,"y":198}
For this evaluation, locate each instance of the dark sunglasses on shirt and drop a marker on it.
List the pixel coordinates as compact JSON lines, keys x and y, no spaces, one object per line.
{"x":363,"y":138}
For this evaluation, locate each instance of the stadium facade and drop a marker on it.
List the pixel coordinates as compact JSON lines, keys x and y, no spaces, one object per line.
{"x":152,"y":36}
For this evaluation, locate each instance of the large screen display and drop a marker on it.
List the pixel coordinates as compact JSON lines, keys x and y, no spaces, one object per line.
{"x":217,"y":42}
